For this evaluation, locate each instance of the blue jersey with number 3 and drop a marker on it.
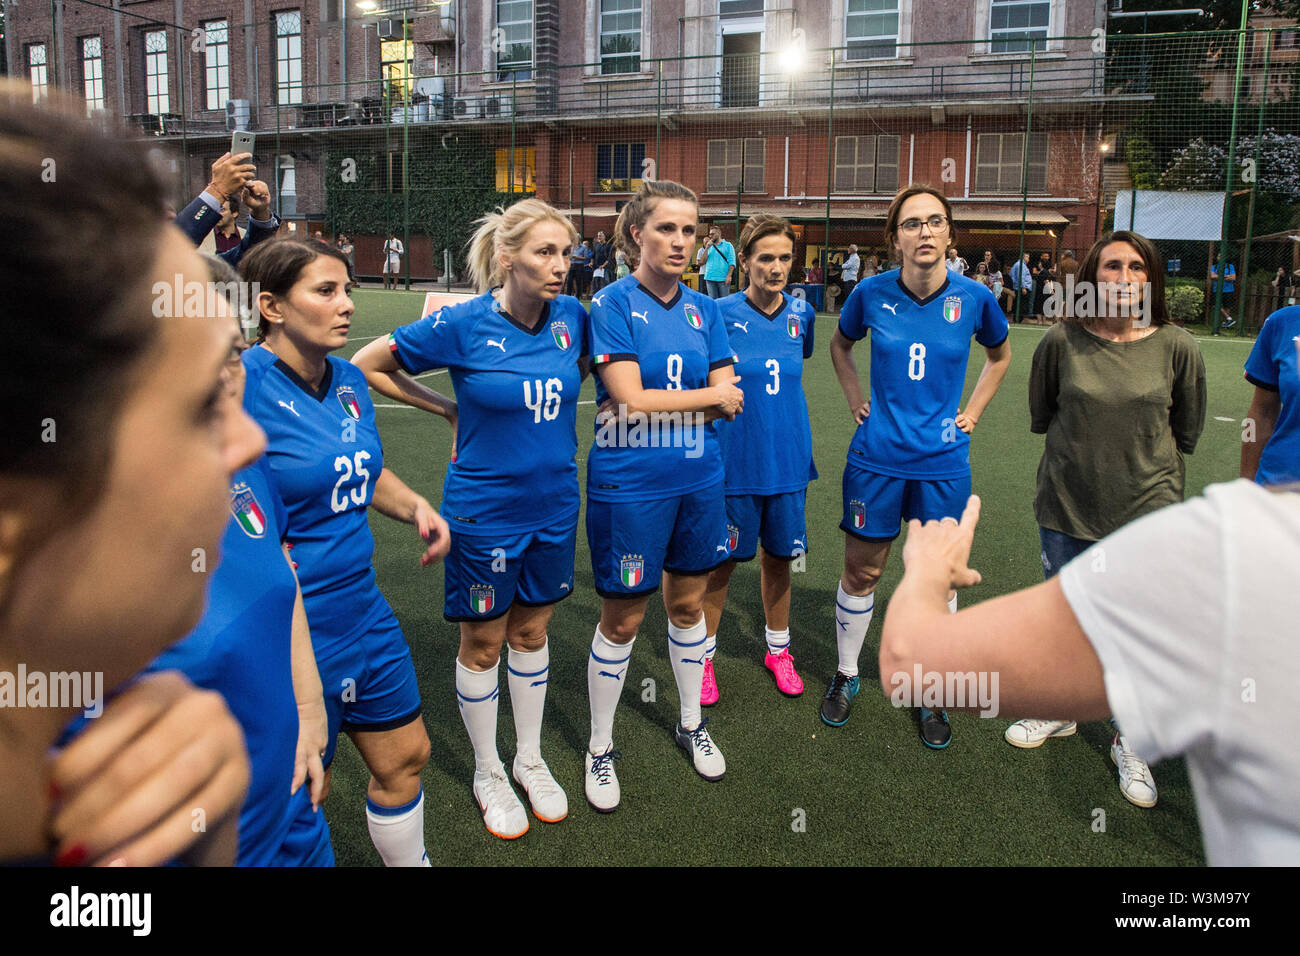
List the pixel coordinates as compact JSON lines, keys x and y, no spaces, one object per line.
{"x":675,"y":344}
{"x":919,"y":352}
{"x":767,"y":449}
{"x":517,"y":397}
{"x":324,"y":452}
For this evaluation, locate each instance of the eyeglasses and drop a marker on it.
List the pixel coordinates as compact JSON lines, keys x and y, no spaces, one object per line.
{"x":937,"y":224}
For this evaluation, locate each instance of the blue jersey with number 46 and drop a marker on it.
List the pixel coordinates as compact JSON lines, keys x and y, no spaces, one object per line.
{"x":324,"y":451}
{"x":517,"y":394}
{"x":919,"y":352}
{"x":675,"y":344}
{"x":767,"y":449}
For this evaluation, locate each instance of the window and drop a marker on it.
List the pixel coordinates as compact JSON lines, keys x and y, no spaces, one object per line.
{"x":1288,"y":40}
{"x":732,"y":161}
{"x":514,"y":40}
{"x":871,"y":29}
{"x":999,"y":158}
{"x":620,"y":36}
{"x":38,"y":71}
{"x":738,"y":8}
{"x":155,"y":72}
{"x":92,"y":73}
{"x":1015,"y":24}
{"x":288,"y":187}
{"x":866,"y":164}
{"x":397,"y":64}
{"x":216,"y":63}
{"x":524,"y":170}
{"x":288,"y":56}
{"x":389,"y":168}
{"x":618,"y":167}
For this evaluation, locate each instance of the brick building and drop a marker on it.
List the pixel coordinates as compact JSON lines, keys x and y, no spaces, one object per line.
{"x":755,"y":105}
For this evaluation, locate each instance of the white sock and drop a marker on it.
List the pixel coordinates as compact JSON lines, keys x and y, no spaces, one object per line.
{"x":952,"y":604}
{"x":528,"y":673}
{"x":398,"y":832}
{"x":686,"y":652}
{"x":606,"y":673}
{"x":477,"y":694}
{"x":852,"y":618}
{"x":710,"y":646}
{"x":777,"y":641}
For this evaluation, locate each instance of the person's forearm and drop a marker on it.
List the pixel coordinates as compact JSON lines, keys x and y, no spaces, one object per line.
{"x":306,"y":676}
{"x":986,"y":387}
{"x":650,"y":401}
{"x":1251,"y":450}
{"x":846,"y":371}
{"x":918,"y":611}
{"x":394,"y":499}
{"x":401,"y":387}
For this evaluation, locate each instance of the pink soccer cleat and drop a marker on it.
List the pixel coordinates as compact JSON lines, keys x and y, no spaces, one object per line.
{"x":782,"y":668}
{"x":709,"y":689}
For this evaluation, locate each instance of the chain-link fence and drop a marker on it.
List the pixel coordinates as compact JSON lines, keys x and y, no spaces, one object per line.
{"x":1041,"y":147}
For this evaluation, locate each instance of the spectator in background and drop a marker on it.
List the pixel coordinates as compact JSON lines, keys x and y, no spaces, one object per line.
{"x":869,"y":267}
{"x":579,"y":270}
{"x":602,"y":263}
{"x":849,"y":272}
{"x":1228,"y":283}
{"x":717,"y":262}
{"x":1043,"y":275}
{"x":956,"y":263}
{"x":232,"y":176}
{"x":393,"y":252}
{"x":1020,"y":291}
{"x":816,"y":274}
{"x":995,"y":279}
{"x":227,"y":235}
{"x":345,"y":246}
{"x":981,"y":274}
{"x":1068,"y":265}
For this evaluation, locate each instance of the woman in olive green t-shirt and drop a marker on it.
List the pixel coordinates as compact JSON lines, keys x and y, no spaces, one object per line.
{"x":1120,"y":394}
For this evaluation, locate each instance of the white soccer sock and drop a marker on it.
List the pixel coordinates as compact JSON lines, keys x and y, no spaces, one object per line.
{"x":710,"y":646}
{"x":777,"y":641}
{"x":606,"y":673}
{"x":528,"y":673}
{"x":398,"y":832}
{"x":952,"y":604}
{"x":477,"y":694}
{"x":852,"y":618}
{"x":686,"y":652}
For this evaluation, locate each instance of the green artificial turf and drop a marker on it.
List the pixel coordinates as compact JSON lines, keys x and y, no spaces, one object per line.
{"x":796,"y":791}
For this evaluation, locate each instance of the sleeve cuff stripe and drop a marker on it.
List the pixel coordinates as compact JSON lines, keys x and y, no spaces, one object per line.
{"x":606,"y":357}
{"x":1258,"y":384}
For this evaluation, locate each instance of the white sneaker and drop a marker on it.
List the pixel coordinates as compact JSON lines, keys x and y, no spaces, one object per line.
{"x":709,"y":762}
{"x":1135,"y":780}
{"x":503,"y":814}
{"x":1032,"y":731}
{"x":602,"y":782}
{"x":549,"y":802}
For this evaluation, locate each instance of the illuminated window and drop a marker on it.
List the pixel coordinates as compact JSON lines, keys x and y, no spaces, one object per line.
{"x":525,"y":169}
{"x":618,"y":167}
{"x":38,"y":71}
{"x":92,"y":73}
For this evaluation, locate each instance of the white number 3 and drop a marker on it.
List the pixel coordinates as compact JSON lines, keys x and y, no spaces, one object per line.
{"x":774,"y":368}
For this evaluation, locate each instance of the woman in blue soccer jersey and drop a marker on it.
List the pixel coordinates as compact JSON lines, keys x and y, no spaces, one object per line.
{"x":1270,"y":443}
{"x":655,"y":502}
{"x":328,"y":466}
{"x":120,"y":439}
{"x":517,"y":358}
{"x":767,"y":451}
{"x":910,"y":455}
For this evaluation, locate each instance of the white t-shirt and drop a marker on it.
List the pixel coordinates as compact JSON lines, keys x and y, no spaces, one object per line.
{"x":849,"y":271}
{"x":1194,"y":612}
{"x":958,"y":266}
{"x":393,"y":248}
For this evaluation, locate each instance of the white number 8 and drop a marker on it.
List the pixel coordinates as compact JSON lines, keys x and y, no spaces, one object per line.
{"x":916,"y":361}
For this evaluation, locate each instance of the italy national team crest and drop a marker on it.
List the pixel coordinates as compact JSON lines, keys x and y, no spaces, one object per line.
{"x":482,"y":598}
{"x":952,"y":308}
{"x":348,"y":399}
{"x":693,"y":316}
{"x":248,"y":513}
{"x":792,"y":325}
{"x":560,"y":332}
{"x":733,"y":537}
{"x":631,"y":570}
{"x":858,"y":513}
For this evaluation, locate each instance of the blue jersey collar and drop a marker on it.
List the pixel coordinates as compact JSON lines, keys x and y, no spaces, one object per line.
{"x":318,"y":394}
{"x":662,"y":304}
{"x":929,"y":298}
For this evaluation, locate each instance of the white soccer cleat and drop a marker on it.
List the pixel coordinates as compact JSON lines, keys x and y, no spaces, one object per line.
{"x":602,"y":783}
{"x":708,"y":759}
{"x":549,"y":802}
{"x":503,"y":814}
{"x":1135,"y":780}
{"x":1032,"y":731}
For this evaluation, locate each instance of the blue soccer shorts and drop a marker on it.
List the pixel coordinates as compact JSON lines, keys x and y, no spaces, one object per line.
{"x":308,"y":840}
{"x":777,"y":520}
{"x":875,"y":505}
{"x":485,"y":574}
{"x":633,"y":542}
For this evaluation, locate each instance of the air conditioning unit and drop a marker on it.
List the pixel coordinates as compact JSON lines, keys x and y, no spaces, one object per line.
{"x":388,"y":29}
{"x":467,"y":107}
{"x":238,"y":115}
{"x":501,"y":104}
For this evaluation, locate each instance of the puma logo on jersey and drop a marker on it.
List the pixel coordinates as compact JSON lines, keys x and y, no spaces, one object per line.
{"x":596,"y":299}
{"x":564,"y":585}
{"x":742,"y":325}
{"x":289,"y":405}
{"x":437,"y":321}
{"x":498,"y":344}
{"x":892,"y":308}
{"x":798,"y":543}
{"x":722,"y":548}
{"x":643,"y":316}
